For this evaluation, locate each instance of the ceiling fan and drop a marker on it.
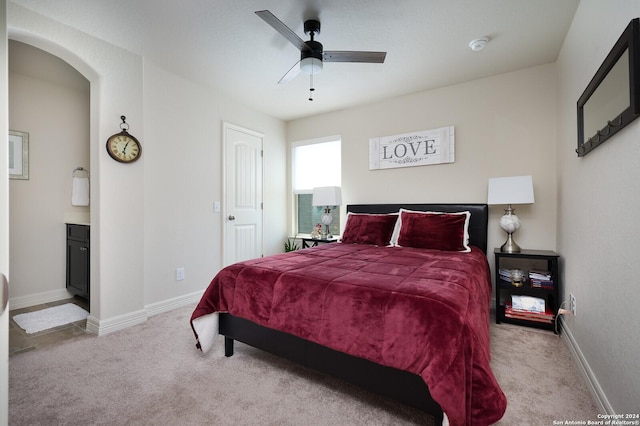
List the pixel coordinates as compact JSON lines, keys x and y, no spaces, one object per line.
{"x":312,"y":55}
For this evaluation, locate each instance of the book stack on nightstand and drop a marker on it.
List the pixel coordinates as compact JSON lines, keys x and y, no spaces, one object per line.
{"x":527,"y":288}
{"x":528,"y":308}
{"x":541,"y":279}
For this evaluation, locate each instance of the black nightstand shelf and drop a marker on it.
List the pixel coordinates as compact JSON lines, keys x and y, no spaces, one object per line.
{"x":549,"y":290}
{"x":313,"y":242}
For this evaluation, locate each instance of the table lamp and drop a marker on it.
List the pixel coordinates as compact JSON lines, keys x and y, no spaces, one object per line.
{"x":327,"y":196}
{"x":510,"y":190}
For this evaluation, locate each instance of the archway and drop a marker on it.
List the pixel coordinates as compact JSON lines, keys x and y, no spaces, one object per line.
{"x":53,"y":55}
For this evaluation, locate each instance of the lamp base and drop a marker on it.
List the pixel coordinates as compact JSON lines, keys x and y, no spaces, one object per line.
{"x":510,"y":223}
{"x":327,"y":219}
{"x":327,"y":235}
{"x":510,"y":246}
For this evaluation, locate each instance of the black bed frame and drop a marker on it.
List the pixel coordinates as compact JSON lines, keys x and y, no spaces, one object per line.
{"x":402,"y":386}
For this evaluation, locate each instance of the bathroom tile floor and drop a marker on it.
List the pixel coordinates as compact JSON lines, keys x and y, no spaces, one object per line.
{"x":20,"y":341}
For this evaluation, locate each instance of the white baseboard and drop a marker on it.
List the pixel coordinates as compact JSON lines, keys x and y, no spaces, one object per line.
{"x":109,"y":325}
{"x":101,"y":327}
{"x":39,"y":298}
{"x":598,"y":395}
{"x":175,"y":303}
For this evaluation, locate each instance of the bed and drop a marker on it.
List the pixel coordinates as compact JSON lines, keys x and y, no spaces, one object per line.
{"x":408,"y":320}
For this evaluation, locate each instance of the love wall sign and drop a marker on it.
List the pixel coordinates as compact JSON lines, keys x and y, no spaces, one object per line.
{"x":421,"y":148}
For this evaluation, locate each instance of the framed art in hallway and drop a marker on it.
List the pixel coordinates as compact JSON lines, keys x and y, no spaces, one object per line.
{"x":18,"y":155}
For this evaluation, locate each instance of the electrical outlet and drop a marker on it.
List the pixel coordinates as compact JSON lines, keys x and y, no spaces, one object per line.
{"x":179,"y":274}
{"x":572,"y":304}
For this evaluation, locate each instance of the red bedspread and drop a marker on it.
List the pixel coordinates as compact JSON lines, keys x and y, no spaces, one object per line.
{"x":423,"y":311}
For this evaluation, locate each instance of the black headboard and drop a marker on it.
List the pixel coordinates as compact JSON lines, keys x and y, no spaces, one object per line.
{"x":477,"y":224}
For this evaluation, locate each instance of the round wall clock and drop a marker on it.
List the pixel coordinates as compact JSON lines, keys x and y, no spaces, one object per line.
{"x":122,"y":146}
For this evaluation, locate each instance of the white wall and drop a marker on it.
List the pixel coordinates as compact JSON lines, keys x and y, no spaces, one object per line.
{"x":183,"y":178}
{"x":505,"y":125}
{"x":152,"y":216}
{"x":598,"y":201}
{"x":4,"y":215}
{"x":57,"y":121}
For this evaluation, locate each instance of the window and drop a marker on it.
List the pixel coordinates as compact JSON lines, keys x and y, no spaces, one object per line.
{"x":315,"y":163}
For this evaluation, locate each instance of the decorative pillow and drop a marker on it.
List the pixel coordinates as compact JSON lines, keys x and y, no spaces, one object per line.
{"x":433,"y":230}
{"x":375,"y":229}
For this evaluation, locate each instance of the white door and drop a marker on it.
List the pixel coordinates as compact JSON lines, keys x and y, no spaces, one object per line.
{"x":243,"y":194}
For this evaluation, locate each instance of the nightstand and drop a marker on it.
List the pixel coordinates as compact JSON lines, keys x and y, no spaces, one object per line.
{"x":541,"y":280}
{"x":313,"y":242}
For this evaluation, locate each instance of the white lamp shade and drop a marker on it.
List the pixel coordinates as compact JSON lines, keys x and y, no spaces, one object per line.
{"x":327,"y":196}
{"x":511,"y":190}
{"x":311,"y":65}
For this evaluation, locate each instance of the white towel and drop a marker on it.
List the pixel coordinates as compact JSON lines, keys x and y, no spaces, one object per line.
{"x":80,"y":193}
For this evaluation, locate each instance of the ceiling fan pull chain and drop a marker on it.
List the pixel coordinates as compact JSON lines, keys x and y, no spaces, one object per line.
{"x":311,"y":89}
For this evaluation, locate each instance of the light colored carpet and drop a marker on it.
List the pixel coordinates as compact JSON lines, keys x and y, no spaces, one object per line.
{"x":539,"y":378}
{"x":44,"y":319}
{"x":152,"y":374}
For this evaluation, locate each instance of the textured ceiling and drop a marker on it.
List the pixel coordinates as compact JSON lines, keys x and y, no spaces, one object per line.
{"x":225,"y":45}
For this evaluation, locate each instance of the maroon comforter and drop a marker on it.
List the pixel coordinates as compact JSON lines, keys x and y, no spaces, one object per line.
{"x":422,"y":311}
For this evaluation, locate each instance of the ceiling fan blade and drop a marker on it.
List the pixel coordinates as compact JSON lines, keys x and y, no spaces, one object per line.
{"x":280,"y":27}
{"x":294,"y":71}
{"x":353,"y":56}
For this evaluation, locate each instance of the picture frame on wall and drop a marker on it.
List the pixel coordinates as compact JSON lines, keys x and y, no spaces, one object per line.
{"x":18,"y":155}
{"x":422,"y":148}
{"x":611,"y":101}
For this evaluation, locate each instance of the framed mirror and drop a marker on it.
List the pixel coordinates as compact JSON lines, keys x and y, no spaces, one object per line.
{"x":612,"y":98}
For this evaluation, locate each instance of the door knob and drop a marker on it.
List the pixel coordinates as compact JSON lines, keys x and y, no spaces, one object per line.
{"x":232,"y":217}
{"x":4,"y":293}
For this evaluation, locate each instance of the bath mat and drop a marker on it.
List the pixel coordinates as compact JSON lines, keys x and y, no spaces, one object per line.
{"x":33,"y":322}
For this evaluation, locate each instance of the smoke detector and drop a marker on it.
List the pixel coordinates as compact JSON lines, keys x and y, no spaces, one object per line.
{"x":478,"y":44}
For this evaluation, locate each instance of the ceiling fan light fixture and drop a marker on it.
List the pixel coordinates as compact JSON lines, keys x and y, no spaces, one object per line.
{"x":311,"y":65}
{"x":312,"y":54}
